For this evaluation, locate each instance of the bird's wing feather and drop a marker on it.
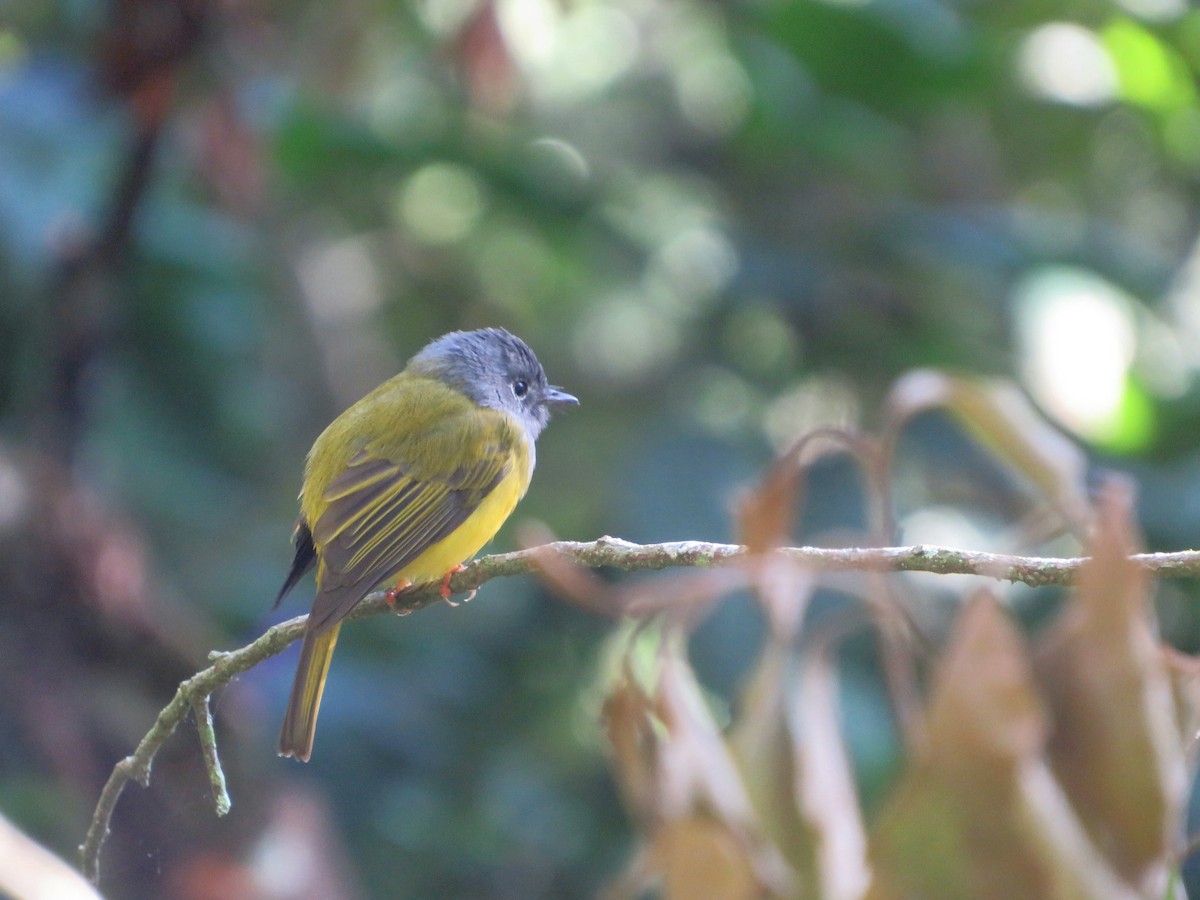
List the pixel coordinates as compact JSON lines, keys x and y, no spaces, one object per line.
{"x":382,"y":514}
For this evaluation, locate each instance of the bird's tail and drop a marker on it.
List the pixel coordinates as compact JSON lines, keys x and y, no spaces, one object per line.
{"x":300,"y":721}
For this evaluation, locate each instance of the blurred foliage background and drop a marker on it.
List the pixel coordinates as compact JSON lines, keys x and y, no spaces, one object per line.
{"x":719,"y":224}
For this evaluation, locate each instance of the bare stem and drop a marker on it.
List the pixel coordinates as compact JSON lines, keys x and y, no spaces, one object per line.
{"x":607,"y":552}
{"x":212,"y":762}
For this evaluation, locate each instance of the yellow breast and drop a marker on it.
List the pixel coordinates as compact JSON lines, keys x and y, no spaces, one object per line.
{"x":479,"y":528}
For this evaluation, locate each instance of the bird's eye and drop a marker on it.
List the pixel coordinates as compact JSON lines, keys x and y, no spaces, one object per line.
{"x":520,"y":388}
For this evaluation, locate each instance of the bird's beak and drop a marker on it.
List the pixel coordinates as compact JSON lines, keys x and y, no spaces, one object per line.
{"x":558,"y":397}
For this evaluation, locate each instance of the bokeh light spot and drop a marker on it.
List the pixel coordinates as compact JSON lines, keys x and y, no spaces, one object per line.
{"x":445,"y":16}
{"x":340,"y":280}
{"x":569,"y":55}
{"x":714,"y":93}
{"x":624,"y":338}
{"x":817,"y":402}
{"x":406,"y":107}
{"x":1149,"y":73}
{"x":695,"y":265}
{"x":1067,"y":63}
{"x":441,"y":203}
{"x":1154,"y":10}
{"x":653,"y":210}
{"x":531,"y":30}
{"x":516,"y":269}
{"x":721,"y":401}
{"x":559,"y":163}
{"x":759,"y":341}
{"x":1076,"y":338}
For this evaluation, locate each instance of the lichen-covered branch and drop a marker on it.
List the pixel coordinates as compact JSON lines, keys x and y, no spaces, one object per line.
{"x":212,"y":762}
{"x":607,"y":552}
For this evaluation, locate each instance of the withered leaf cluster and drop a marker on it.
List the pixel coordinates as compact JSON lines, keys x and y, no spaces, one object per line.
{"x":1051,"y":765}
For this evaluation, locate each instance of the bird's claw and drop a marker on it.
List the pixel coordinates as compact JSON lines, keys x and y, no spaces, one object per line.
{"x":393,"y":593}
{"x":445,"y":591}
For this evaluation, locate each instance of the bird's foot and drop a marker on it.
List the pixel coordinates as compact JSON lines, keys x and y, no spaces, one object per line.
{"x":444,"y":590}
{"x":390,"y":597}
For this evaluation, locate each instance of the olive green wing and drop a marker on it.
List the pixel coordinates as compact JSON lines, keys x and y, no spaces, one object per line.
{"x":382,"y":514}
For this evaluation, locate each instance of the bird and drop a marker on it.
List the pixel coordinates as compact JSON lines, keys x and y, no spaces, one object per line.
{"x":409,"y":482}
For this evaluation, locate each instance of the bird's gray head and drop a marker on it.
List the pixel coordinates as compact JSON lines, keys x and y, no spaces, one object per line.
{"x":495,"y":369}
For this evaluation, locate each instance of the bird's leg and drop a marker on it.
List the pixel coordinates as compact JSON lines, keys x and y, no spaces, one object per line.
{"x":444,"y":590}
{"x":402,"y":584}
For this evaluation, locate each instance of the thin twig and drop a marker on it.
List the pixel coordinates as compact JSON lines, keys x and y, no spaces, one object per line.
{"x":607,"y":552}
{"x":208,"y":746}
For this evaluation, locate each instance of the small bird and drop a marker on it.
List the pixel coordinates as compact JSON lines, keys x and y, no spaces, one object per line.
{"x":407,"y":483}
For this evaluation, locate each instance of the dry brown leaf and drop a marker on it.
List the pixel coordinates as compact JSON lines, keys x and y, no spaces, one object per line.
{"x":767,"y":511}
{"x":630,"y":724}
{"x":695,"y":766}
{"x":978,"y":813}
{"x":783,"y":589}
{"x":824,"y":785}
{"x":699,"y":857}
{"x":1184,"y":672}
{"x":984,"y":705}
{"x":761,"y":741}
{"x":1003,"y":420}
{"x":787,"y":740}
{"x":765,"y":514}
{"x":685,"y":598}
{"x":1115,"y":744}
{"x":681,"y":781}
{"x":27,"y":869}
